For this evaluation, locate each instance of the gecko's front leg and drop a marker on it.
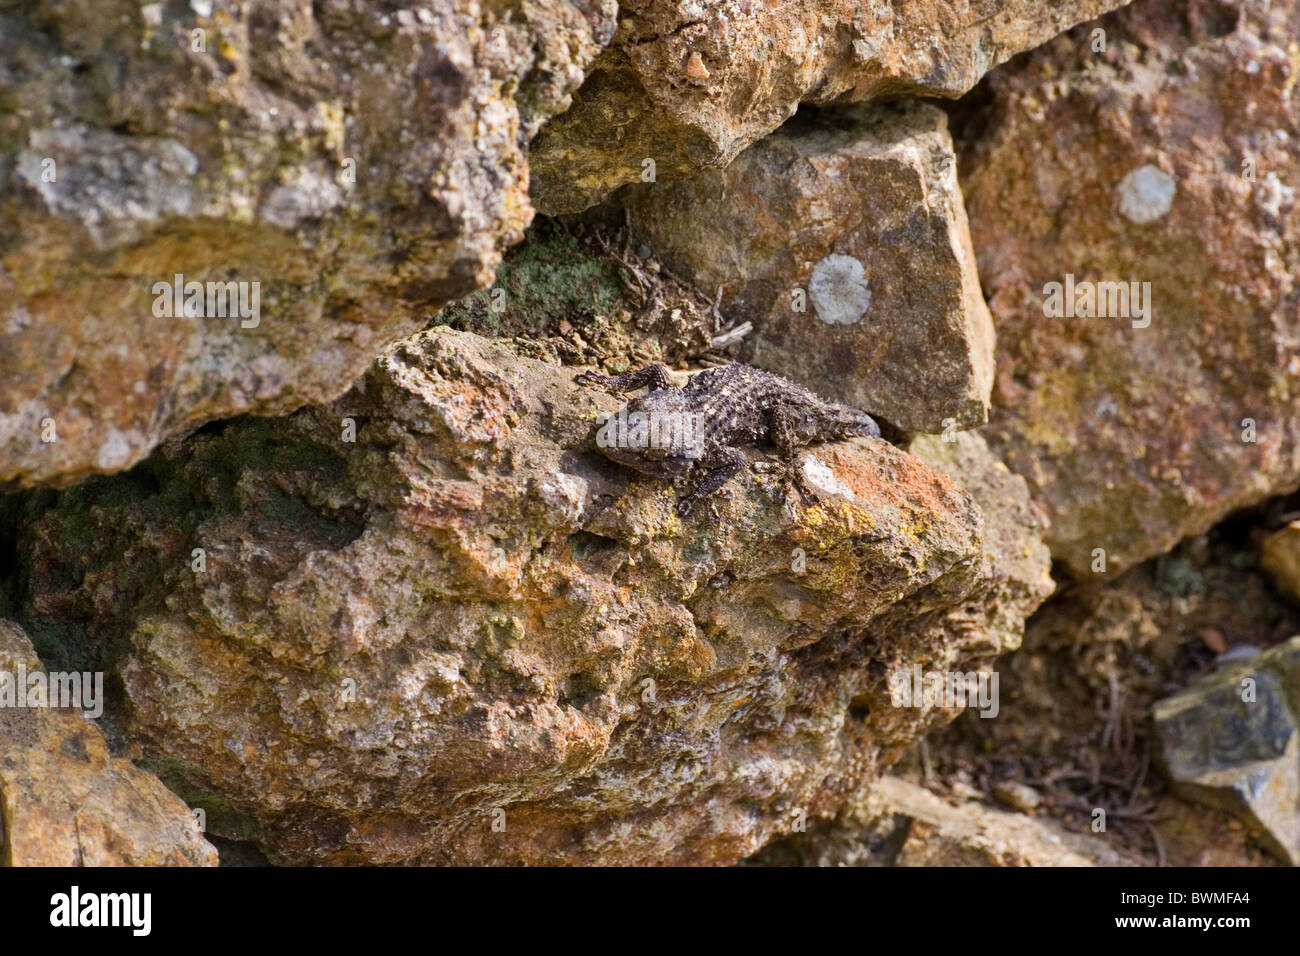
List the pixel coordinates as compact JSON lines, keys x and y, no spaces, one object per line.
{"x":788,"y":430}
{"x":655,"y":376}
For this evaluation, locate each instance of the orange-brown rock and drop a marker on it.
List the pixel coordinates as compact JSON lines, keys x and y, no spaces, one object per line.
{"x":324,"y":174}
{"x":64,"y":800}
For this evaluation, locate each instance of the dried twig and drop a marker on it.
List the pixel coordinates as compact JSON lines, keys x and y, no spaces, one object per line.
{"x":731,"y":336}
{"x":1160,"y":847}
{"x":1142,"y":775}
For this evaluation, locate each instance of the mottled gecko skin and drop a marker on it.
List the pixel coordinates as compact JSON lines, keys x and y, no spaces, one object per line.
{"x":730,"y":408}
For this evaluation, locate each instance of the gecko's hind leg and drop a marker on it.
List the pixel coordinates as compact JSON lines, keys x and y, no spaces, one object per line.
{"x":722,"y":469}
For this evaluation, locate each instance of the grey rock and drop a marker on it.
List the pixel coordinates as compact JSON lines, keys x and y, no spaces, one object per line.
{"x":1232,"y":740}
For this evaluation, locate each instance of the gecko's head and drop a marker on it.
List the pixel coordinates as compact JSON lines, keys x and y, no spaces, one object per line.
{"x":852,"y":423}
{"x":655,"y":434}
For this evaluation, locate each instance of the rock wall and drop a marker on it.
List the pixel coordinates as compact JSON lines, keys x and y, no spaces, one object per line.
{"x":64,"y":800}
{"x":333,"y":522}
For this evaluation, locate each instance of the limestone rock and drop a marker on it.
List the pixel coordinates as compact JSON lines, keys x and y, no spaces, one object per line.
{"x":903,"y":824}
{"x":465,"y":637}
{"x":690,"y":85}
{"x":1167,"y":163}
{"x":843,"y":238}
{"x":345,"y":168}
{"x":1232,"y":740}
{"x":64,"y":801}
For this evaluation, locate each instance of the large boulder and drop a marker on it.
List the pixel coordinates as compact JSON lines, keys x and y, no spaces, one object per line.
{"x":689,"y":85}
{"x":1163,"y":172}
{"x":430,"y":624}
{"x":346,"y":168}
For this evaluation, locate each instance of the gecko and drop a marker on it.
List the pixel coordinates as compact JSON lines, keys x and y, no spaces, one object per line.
{"x":696,"y":432}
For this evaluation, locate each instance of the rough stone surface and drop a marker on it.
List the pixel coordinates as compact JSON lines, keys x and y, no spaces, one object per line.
{"x":1232,"y":740}
{"x":903,"y":824}
{"x":362,"y":165}
{"x":1018,"y":560}
{"x":468,"y":610}
{"x":691,"y":84}
{"x":64,"y":801}
{"x":1170,"y":159}
{"x":843,"y":238}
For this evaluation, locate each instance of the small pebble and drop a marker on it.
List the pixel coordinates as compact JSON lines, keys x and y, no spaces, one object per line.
{"x":1017,"y":796}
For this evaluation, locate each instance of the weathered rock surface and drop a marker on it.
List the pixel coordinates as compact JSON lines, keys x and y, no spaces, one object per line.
{"x":64,"y":801}
{"x":1018,"y":561}
{"x":1169,"y":160}
{"x":902,"y":824}
{"x":690,"y":85}
{"x":465,"y":637}
{"x":352,"y":166}
{"x":843,"y":238}
{"x":1232,"y":740}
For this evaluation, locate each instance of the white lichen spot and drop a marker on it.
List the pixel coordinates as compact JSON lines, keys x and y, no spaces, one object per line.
{"x":1146,"y":194}
{"x":839,"y":290}
{"x":113,"y":185}
{"x":1274,"y":195}
{"x":819,"y":477}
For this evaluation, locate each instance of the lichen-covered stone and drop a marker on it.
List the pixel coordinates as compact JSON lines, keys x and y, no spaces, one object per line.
{"x":353,"y":166}
{"x":1169,"y":161}
{"x":843,"y":238}
{"x":465,"y":637}
{"x":689,"y":85}
{"x":1232,"y":740}
{"x":65,"y":801}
